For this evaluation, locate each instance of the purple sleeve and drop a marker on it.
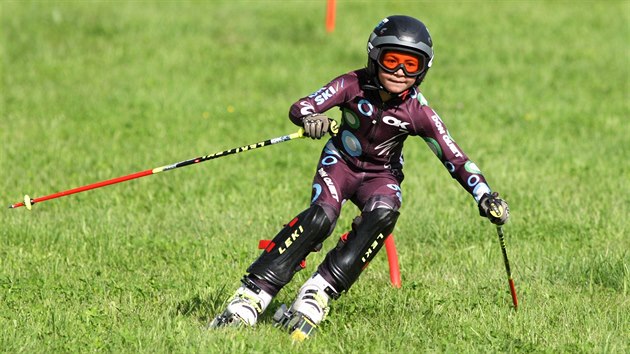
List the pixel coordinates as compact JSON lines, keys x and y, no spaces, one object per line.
{"x":437,"y":136}
{"x":332,"y":94}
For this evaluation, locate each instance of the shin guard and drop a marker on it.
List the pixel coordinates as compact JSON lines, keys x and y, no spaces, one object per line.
{"x":283,"y":256}
{"x":345,"y":262}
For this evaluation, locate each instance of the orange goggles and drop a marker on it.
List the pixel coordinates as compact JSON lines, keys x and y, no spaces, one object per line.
{"x":391,"y":61}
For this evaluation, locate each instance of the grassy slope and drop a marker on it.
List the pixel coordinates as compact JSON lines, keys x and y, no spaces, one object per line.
{"x":535,"y":92}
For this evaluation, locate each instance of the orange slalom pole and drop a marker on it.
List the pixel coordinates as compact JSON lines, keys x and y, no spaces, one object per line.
{"x":392,"y":258}
{"x":330,"y":15}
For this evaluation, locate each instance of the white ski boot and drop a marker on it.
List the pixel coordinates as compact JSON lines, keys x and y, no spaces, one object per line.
{"x":308,"y":310}
{"x":243,"y":309}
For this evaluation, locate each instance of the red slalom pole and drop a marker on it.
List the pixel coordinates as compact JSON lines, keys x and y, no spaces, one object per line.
{"x":392,"y":259}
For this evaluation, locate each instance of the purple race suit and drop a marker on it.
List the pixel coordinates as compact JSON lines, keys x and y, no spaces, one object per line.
{"x":364,"y":161}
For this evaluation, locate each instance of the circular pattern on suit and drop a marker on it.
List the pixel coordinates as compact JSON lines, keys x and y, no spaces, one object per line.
{"x":351,"y":144}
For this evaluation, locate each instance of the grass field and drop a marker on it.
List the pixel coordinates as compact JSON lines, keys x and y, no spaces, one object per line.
{"x":535,"y":92}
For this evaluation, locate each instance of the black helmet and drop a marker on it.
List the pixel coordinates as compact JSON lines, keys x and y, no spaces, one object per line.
{"x":401,"y":33}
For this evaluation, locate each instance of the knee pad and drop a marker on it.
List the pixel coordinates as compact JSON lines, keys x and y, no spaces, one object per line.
{"x":285,"y":253}
{"x":345,"y":262}
{"x":381,"y":201}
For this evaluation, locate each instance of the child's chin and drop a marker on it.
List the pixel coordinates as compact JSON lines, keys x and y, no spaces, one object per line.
{"x":396,"y":89}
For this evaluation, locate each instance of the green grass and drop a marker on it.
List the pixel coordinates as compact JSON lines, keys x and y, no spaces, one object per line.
{"x":535,"y":92}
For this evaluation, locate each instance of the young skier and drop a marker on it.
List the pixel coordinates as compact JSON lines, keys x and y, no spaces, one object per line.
{"x":381,"y":106}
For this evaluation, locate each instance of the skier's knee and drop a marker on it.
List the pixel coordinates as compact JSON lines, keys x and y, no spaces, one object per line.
{"x":344,"y":263}
{"x":285,"y":254}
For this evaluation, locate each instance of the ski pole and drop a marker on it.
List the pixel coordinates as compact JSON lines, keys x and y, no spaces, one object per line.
{"x":507,"y":266}
{"x":28,"y":202}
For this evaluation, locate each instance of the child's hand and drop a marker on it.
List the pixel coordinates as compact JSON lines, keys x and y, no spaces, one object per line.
{"x":315,"y":125}
{"x":494,"y":208}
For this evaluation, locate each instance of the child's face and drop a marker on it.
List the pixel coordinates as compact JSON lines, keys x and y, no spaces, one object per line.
{"x":396,"y":82}
{"x":398,"y":70}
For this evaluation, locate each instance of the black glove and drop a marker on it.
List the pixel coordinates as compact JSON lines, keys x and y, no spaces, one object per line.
{"x":316,"y":125}
{"x":494,"y":208}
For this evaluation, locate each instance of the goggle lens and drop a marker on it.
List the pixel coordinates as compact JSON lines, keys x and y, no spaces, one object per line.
{"x":411,"y":65}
